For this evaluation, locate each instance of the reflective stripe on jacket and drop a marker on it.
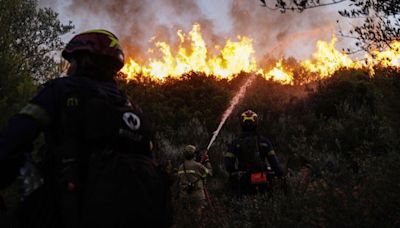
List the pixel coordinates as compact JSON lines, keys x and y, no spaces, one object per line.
{"x":194,"y":172}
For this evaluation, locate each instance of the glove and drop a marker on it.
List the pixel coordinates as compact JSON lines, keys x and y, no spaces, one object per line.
{"x":204,"y":158}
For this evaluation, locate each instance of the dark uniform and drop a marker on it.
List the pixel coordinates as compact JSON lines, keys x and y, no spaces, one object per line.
{"x":251,"y":163}
{"x":97,"y":169}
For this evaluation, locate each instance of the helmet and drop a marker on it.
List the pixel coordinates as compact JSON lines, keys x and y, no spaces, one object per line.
{"x":98,"y":42}
{"x":189,"y":151}
{"x":248,"y":120}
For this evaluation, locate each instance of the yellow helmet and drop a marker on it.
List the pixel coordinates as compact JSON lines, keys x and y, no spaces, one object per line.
{"x":248,"y":119}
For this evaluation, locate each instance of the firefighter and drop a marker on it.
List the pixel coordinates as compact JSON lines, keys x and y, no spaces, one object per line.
{"x":98,"y":169}
{"x":192,"y":179}
{"x":251,"y":160}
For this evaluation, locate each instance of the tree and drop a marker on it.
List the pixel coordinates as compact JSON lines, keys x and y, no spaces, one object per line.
{"x":380,"y":19}
{"x":34,"y":34}
{"x":29,"y":37}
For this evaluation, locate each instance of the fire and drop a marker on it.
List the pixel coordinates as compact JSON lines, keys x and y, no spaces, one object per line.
{"x":327,"y":60}
{"x":279,"y":74}
{"x":239,"y":56}
{"x":235,"y":57}
{"x":386,"y":58}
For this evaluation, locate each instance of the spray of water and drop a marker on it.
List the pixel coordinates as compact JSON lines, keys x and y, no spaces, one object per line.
{"x":235,"y":100}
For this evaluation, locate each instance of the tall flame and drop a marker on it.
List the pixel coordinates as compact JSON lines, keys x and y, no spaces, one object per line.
{"x":235,"y":57}
{"x":239,"y":56}
{"x":327,"y":60}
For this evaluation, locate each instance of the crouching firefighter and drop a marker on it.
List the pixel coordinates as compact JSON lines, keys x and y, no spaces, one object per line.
{"x":98,"y":169}
{"x":192,"y":180}
{"x":250,"y":160}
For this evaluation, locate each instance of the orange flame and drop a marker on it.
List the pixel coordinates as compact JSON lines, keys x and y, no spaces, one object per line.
{"x":387,"y":58}
{"x":235,"y":57}
{"x":327,"y":60}
{"x":279,"y":74}
{"x":239,"y":56}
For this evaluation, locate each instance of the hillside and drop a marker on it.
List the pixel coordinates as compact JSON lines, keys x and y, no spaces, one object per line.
{"x":338,"y":139}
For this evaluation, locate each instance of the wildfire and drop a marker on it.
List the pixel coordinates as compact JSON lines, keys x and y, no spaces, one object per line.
{"x":235,"y":57}
{"x":279,"y":74}
{"x":386,"y":58}
{"x":327,"y":60}
{"x":239,"y":56}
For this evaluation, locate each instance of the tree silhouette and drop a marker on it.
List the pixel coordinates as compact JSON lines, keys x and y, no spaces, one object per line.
{"x":380,"y":19}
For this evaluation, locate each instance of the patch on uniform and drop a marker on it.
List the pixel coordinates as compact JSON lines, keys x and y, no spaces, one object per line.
{"x":131,"y":120}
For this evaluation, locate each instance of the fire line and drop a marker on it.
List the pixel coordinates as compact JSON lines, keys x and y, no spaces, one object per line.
{"x":193,"y":55}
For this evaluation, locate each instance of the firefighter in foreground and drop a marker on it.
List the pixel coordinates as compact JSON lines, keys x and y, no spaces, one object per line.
{"x":98,"y":169}
{"x":250,"y":160}
{"x":192,"y":179}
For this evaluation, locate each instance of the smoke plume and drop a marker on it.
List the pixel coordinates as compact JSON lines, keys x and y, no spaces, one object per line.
{"x":137,"y":22}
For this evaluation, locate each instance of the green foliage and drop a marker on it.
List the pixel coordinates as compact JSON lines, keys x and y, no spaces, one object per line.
{"x":29,"y":38}
{"x":174,"y":103}
{"x":34,"y":35}
{"x":337,"y":139}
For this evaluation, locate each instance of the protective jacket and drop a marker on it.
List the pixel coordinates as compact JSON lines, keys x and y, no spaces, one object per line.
{"x":247,"y":155}
{"x":192,"y":176}
{"x":97,"y":168}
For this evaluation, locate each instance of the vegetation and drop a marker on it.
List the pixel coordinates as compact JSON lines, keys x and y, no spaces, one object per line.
{"x":338,"y":138}
{"x":29,"y":40}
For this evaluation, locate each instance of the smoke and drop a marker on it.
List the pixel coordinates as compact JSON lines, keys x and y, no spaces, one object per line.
{"x":136,"y":22}
{"x":232,"y":104}
{"x":278,"y":34}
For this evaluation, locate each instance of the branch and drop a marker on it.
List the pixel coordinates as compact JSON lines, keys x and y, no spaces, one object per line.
{"x":307,"y":5}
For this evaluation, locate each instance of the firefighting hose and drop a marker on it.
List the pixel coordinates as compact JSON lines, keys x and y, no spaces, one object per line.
{"x":234,"y":101}
{"x":205,"y":187}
